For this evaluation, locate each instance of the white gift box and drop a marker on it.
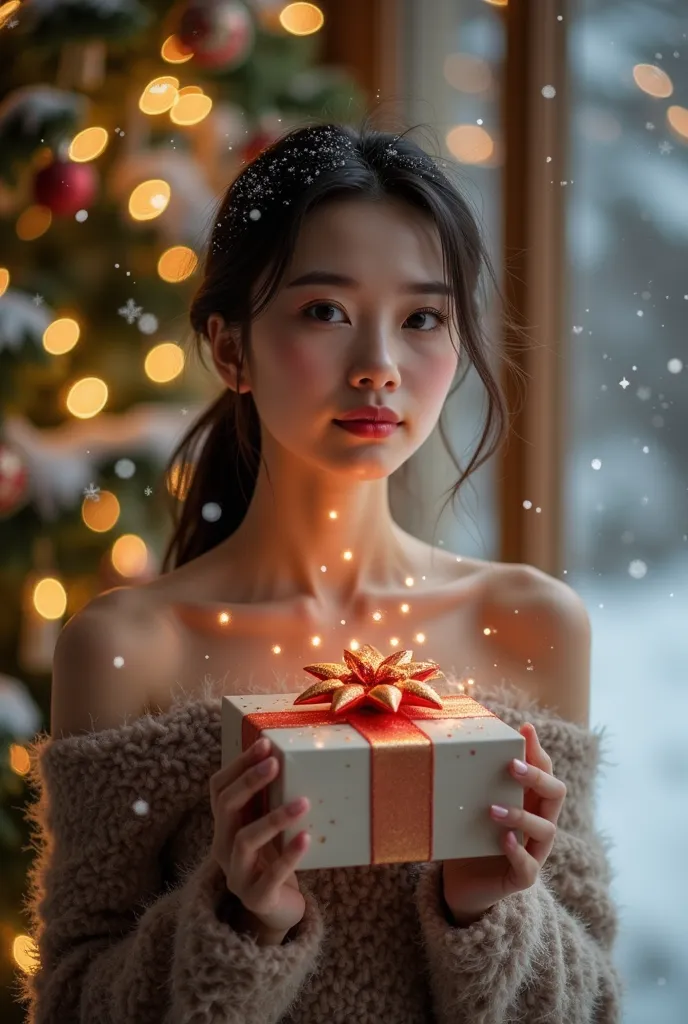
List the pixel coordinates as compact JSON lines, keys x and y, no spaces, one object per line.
{"x":364,"y":811}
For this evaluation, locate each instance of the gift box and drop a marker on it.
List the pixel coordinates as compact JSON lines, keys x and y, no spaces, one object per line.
{"x":394,"y":772}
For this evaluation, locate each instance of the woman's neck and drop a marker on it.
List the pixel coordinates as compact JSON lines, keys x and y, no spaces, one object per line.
{"x":327,"y":548}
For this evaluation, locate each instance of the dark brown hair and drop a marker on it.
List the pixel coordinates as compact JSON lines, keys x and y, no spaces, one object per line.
{"x":254,"y":233}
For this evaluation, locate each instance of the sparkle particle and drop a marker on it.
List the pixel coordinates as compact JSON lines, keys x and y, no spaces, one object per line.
{"x":92,"y":492}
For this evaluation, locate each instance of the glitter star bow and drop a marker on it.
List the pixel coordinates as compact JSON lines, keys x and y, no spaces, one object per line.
{"x":367,"y":678}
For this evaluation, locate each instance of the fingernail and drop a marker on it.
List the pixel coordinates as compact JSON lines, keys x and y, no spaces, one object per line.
{"x":519,"y":766}
{"x":499,"y":811}
{"x":265,"y":767}
{"x":261,"y":745}
{"x":296,"y":806}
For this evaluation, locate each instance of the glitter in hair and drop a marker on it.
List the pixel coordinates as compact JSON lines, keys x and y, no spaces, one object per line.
{"x":277,"y":174}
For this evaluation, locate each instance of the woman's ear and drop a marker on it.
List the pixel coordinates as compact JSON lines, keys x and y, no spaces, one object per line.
{"x":225,"y":347}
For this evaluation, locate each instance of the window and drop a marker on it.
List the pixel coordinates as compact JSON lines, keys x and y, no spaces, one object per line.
{"x":626,"y":530}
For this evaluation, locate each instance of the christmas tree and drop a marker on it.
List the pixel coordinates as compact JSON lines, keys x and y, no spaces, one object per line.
{"x":121,"y":125}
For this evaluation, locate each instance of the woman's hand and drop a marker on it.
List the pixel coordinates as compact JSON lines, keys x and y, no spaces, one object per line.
{"x":264,"y":880}
{"x":472,"y":885}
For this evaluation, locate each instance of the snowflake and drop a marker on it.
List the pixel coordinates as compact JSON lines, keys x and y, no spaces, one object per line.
{"x":665,"y":147}
{"x":92,"y":492}
{"x":131,"y":311}
{"x":148,"y":491}
{"x":38,"y":300}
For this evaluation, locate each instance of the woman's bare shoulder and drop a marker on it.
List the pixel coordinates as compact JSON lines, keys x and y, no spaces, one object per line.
{"x":110,"y":656}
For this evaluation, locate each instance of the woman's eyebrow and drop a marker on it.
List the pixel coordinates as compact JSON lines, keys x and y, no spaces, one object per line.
{"x":343,"y":281}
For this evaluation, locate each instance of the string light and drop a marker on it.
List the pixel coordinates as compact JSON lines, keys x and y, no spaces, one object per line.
{"x":50,"y":598}
{"x":149,"y":199}
{"x":177,"y":263}
{"x":129,"y":555}
{"x":160,"y":95}
{"x":100,"y":516}
{"x":347,"y":556}
{"x":179,"y":480}
{"x":333,"y":515}
{"x":87,"y":397}
{"x":61,"y":336}
{"x":224,"y":618}
{"x":174,"y":52}
{"x":190,"y":107}
{"x":19,"y":760}
{"x":420,"y":638}
{"x":7,"y":10}
{"x":377,"y":616}
{"x":653,"y":80}
{"x":88,"y":144}
{"x":409,"y":581}
{"x":301,"y":19}
{"x":404,"y":608}
{"x":164,"y":362}
{"x":276,"y":649}
{"x":25,"y":953}
{"x":316,"y":641}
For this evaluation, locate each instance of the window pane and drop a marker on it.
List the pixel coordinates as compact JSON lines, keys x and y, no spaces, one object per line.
{"x":626,"y":541}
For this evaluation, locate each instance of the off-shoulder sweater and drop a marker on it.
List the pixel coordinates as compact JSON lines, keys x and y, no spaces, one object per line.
{"x":123,"y":902}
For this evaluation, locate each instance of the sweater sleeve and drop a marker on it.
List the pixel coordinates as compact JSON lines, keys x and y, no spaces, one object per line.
{"x":115,"y":944}
{"x":544,"y":954}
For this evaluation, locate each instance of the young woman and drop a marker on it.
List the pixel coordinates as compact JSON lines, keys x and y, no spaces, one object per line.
{"x":338,"y":302}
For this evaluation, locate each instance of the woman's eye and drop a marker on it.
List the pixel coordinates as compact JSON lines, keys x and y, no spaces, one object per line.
{"x":321,"y":306}
{"x":441,"y":317}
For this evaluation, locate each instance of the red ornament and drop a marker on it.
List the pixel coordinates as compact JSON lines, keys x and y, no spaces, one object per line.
{"x":65,"y":187}
{"x":220,"y":32}
{"x":14,"y":480}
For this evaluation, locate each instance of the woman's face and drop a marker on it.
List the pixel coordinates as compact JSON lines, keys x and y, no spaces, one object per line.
{"x":322,"y":349}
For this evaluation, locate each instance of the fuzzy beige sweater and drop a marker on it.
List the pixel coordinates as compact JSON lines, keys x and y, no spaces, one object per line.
{"x":123,"y":899}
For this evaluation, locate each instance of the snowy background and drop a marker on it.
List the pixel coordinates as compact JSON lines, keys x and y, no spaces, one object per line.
{"x":640,"y":694}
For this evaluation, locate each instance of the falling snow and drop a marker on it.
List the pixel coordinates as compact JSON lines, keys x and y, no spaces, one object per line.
{"x":131,"y":312}
{"x":211,"y":512}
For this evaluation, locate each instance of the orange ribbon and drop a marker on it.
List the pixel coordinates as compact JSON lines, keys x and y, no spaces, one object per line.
{"x":402,"y":769}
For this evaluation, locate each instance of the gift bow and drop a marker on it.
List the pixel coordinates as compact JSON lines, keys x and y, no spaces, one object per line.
{"x":367,"y":678}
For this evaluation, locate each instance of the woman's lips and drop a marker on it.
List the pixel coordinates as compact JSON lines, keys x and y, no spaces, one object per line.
{"x":368,"y":428}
